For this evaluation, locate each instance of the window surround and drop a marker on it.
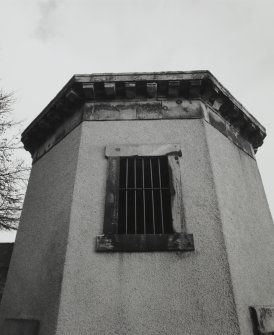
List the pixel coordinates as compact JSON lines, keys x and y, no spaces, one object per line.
{"x":111,"y":240}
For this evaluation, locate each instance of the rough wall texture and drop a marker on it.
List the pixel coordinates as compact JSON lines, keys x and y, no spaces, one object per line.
{"x":247,"y":225}
{"x":5,"y":256}
{"x":56,"y":276}
{"x":146,"y":293}
{"x":35,"y":275}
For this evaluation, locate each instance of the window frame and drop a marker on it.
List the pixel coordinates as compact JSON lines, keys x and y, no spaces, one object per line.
{"x":111,"y":240}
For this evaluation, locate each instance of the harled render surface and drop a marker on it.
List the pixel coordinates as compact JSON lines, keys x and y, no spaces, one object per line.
{"x":67,"y":286}
{"x":5,"y":256}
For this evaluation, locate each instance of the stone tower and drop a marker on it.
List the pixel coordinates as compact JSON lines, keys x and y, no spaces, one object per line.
{"x":145,"y":213}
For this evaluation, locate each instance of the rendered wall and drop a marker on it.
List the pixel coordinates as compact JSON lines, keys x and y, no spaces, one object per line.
{"x":34,"y":280}
{"x":5,"y":256}
{"x":138,"y":293}
{"x":146,"y":293}
{"x":247,"y":225}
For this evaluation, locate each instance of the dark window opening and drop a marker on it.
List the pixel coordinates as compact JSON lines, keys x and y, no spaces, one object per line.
{"x":144,"y":196}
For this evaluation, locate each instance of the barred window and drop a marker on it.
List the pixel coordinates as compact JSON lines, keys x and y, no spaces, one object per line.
{"x":143,"y":203}
{"x":144,"y":196}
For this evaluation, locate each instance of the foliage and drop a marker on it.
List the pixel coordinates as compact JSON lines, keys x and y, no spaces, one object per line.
{"x":13,"y":171}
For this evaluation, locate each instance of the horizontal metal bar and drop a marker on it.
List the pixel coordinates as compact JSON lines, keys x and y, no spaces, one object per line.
{"x":141,"y":188}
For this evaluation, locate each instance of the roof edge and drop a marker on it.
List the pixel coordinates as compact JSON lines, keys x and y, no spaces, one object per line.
{"x":107,"y":86}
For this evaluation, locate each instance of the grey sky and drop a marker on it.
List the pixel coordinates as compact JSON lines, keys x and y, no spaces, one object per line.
{"x":46,"y":27}
{"x":43,"y":43}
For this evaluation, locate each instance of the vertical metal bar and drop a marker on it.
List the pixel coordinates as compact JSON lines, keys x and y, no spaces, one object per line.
{"x":126,"y":189}
{"x":144,"y":195}
{"x":152,"y":195}
{"x":161,"y":199}
{"x":135,"y":209}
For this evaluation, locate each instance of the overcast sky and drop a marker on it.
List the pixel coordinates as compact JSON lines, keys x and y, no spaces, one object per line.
{"x":44,"y":42}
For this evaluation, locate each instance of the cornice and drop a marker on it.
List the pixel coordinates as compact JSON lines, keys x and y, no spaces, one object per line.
{"x":134,"y":87}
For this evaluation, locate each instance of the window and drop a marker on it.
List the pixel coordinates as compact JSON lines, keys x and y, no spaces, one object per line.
{"x":144,"y":196}
{"x":143,"y":207}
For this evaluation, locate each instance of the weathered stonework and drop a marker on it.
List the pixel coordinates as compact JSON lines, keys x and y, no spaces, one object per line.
{"x":170,"y":95}
{"x":200,"y":278}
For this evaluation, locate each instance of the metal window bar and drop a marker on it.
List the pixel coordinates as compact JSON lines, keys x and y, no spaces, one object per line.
{"x":143,"y":188}
{"x":144,"y":194}
{"x":153,"y":209}
{"x":135,"y":203}
{"x":161,"y":196}
{"x":152,"y":197}
{"x":126,"y":189}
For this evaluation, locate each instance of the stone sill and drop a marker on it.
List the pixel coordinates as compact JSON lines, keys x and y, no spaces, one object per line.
{"x":144,"y":242}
